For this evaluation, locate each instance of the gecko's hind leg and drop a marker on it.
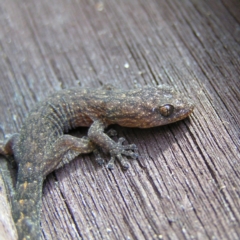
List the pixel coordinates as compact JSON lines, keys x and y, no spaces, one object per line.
{"x":64,"y":150}
{"x":67,"y":147}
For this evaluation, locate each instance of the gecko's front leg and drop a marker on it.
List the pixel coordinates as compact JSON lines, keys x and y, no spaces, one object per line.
{"x":116,"y":149}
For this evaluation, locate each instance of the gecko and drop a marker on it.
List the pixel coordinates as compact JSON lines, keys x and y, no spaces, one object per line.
{"x":43,"y":143}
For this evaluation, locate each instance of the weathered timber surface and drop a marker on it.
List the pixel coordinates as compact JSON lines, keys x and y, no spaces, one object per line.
{"x":186,"y":182}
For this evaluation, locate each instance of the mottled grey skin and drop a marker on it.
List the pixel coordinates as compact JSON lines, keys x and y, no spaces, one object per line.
{"x":42,"y":145}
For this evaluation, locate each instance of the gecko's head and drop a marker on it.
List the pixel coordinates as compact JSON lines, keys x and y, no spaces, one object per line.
{"x":155,"y":106}
{"x":162,"y":105}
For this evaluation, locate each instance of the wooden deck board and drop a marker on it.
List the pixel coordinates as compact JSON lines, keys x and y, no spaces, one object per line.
{"x":186,"y":182}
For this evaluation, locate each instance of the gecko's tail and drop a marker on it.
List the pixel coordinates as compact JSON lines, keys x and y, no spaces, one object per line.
{"x":27,"y":205}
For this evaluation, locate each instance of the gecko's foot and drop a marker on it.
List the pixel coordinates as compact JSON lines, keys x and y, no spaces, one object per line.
{"x":117,"y":152}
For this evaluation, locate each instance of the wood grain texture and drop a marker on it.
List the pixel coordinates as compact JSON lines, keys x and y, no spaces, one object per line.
{"x":186,"y":182}
{"x":7,"y":228}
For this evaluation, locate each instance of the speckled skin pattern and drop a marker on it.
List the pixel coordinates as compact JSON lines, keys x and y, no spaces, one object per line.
{"x":43,"y":145}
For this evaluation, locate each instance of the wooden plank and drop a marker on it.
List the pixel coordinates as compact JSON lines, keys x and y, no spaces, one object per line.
{"x":7,"y":228}
{"x":186,"y":182}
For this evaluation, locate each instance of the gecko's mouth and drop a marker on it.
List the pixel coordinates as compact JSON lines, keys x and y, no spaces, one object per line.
{"x":188,"y":109}
{"x":185,"y":112}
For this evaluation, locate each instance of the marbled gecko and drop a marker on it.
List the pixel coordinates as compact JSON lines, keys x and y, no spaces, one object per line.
{"x":43,"y":145}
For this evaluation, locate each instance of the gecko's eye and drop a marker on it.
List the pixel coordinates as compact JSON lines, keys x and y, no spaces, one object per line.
{"x":166,"y":110}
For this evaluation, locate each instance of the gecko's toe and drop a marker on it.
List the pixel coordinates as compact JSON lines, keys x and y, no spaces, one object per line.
{"x":134,"y":155}
{"x":100,"y":161}
{"x":111,"y":133}
{"x":110,"y":164}
{"x":130,"y":154}
{"x":125,"y":165}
